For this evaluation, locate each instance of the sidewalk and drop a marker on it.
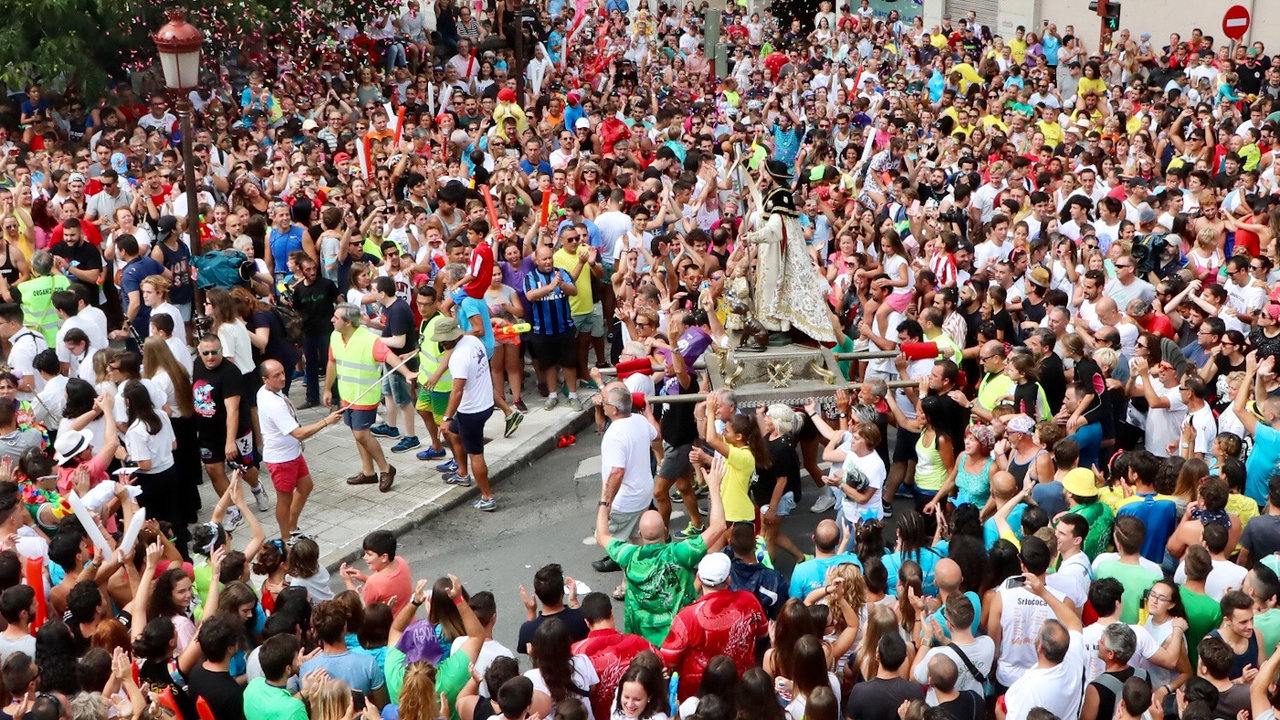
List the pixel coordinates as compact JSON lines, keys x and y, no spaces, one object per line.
{"x":338,"y":516}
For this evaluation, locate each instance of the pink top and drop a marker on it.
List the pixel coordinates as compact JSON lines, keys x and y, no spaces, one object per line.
{"x":392,"y":585}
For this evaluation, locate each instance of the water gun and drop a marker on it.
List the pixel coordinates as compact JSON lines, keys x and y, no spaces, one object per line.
{"x":504,"y":331}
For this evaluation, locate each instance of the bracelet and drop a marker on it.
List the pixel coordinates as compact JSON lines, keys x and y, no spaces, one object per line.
{"x":416,"y":603}
{"x":605,"y":503}
{"x":459,"y":600}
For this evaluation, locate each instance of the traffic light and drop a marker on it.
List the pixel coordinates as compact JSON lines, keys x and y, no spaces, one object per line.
{"x":1109,"y":11}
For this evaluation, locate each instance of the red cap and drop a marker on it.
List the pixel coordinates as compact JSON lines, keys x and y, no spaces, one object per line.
{"x":340,"y":157}
{"x":507,"y":95}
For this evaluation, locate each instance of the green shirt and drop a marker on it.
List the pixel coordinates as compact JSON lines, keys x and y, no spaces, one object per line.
{"x":1136,"y":579}
{"x":1101,"y":522}
{"x":659,"y":583}
{"x":1203,"y":617}
{"x":263,"y":701}
{"x":1268,"y":625}
{"x":452,"y":675}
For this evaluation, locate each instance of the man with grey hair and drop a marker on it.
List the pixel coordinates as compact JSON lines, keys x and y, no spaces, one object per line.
{"x":355,"y":354}
{"x":624,"y":465}
{"x":1116,"y":647}
{"x":37,"y":296}
{"x":943,"y":693}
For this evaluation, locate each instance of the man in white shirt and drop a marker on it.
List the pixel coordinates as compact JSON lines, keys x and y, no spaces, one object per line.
{"x":1074,"y":573}
{"x":1225,"y":574}
{"x":1244,"y":298}
{"x":624,"y":460}
{"x":486,"y":610}
{"x":67,"y":304}
{"x":613,"y":225}
{"x":470,"y":406}
{"x":24,"y":345}
{"x":1022,"y":612}
{"x":282,"y":438}
{"x":1055,"y":682}
{"x":1105,"y":597}
{"x":1164,"y":398}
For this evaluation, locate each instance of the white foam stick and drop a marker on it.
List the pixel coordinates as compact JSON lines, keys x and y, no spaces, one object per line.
{"x":131,"y":532}
{"x":86,"y":522}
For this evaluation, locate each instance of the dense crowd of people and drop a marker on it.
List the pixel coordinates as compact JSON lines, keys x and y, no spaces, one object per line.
{"x":1071,"y":249}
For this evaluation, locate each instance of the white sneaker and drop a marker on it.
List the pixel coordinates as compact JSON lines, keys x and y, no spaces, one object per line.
{"x":261,"y":501}
{"x":825,"y":502}
{"x":232,"y":519}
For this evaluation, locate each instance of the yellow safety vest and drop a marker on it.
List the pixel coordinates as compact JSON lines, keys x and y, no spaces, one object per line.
{"x":37,"y":304}
{"x":429,"y":356}
{"x":358,"y":372}
{"x":947,"y":348}
{"x":991,"y":391}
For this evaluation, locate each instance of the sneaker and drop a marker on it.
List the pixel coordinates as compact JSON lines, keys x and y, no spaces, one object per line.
{"x":888,"y":510}
{"x":551,"y":403}
{"x":701,"y":490}
{"x":459,"y":480}
{"x":384,"y":430}
{"x":575,"y":404}
{"x":825,"y":502}
{"x":689,"y":531}
{"x":232,"y":519}
{"x":447,"y":467}
{"x":261,"y":501}
{"x":431,"y":454}
{"x":519,"y":405}
{"x":513,"y":422}
{"x":486,"y":504}
{"x":406,"y":444}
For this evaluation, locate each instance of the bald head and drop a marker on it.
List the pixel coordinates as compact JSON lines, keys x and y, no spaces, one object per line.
{"x":652,"y":529}
{"x":995,"y":348}
{"x":826,"y":536}
{"x":947,"y":575}
{"x":272,"y":375}
{"x":1106,"y":306}
{"x":1003,"y":485}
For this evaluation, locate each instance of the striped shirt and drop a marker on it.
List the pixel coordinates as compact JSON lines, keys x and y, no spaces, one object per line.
{"x":550,"y":314}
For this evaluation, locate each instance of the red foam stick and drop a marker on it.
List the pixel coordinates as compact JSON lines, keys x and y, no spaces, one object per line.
{"x":35,"y":578}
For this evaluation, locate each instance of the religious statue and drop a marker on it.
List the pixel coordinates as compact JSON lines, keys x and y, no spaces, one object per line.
{"x":788,"y":291}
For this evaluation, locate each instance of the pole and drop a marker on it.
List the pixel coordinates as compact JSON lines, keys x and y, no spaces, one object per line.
{"x":189,"y":184}
{"x":699,"y":397}
{"x":519,"y":42}
{"x":701,"y":364}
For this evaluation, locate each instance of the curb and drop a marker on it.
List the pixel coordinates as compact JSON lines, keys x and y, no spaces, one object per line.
{"x":457,"y":496}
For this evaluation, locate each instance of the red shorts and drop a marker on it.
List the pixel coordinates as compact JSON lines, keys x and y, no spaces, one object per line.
{"x":285,"y":475}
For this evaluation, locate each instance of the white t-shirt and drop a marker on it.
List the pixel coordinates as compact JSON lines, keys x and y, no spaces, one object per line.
{"x":181,"y":353}
{"x":158,"y":448}
{"x":22,"y":355}
{"x":584,"y":678}
{"x":158,"y":399}
{"x":1206,"y":430}
{"x":277,"y":418}
{"x":626,"y":445}
{"x":988,"y":253}
{"x":640,"y":383}
{"x":1021,"y":616}
{"x":470,"y":362}
{"x":1164,"y":425}
{"x":981,"y":652}
{"x":97,"y":338}
{"x":179,"y":325}
{"x":490,"y":651}
{"x":1224,"y":575}
{"x":51,"y":401}
{"x":236,"y":345}
{"x":871,"y":468}
{"x":1057,"y":689}
{"x":1072,"y":578}
{"x":165,"y":383}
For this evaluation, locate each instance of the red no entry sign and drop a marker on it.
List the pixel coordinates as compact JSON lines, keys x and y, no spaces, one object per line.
{"x":1235,"y":22}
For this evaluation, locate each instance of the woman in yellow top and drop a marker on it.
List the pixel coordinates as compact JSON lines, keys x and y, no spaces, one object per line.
{"x":935,"y":445}
{"x":744,"y":450}
{"x":1092,"y":80}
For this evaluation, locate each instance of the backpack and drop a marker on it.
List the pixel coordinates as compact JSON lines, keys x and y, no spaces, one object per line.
{"x":223,"y":269}
{"x":291,"y":322}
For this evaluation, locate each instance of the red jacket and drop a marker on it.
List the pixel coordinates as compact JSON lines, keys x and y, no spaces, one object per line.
{"x":724,"y":622}
{"x":610,"y":653}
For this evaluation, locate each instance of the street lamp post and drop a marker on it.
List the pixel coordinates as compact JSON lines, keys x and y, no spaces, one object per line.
{"x":178,"y":43}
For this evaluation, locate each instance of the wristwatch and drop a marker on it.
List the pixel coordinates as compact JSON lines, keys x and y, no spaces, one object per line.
{"x":447,"y":418}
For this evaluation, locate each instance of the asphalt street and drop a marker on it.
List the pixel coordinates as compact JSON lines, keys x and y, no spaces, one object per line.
{"x":544,"y":516}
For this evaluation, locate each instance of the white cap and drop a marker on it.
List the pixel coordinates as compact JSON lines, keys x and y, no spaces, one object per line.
{"x":713,"y":569}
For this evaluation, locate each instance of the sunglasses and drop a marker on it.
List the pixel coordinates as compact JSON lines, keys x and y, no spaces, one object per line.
{"x":204,"y":353}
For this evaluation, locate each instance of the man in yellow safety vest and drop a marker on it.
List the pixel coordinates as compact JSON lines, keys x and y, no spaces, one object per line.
{"x":354,"y":357}
{"x":37,"y":296}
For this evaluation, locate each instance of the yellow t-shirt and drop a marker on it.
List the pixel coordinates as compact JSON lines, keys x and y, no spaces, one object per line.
{"x":1018,"y":49}
{"x":1097,"y":85}
{"x":581,"y":303}
{"x":740,"y":466}
{"x":1052,"y":131}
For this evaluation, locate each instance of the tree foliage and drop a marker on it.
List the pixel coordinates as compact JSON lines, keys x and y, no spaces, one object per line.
{"x":86,"y":44}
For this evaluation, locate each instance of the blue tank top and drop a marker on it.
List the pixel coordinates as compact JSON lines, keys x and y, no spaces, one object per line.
{"x":178,"y":261}
{"x":282,"y":244}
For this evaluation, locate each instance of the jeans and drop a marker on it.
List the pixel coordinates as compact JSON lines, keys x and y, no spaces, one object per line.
{"x":394,"y":52}
{"x":315,"y":351}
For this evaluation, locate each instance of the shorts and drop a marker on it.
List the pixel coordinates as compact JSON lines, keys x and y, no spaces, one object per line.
{"x":675,"y":462}
{"x":470,"y":428}
{"x":359,"y":419}
{"x":786,"y":504}
{"x":184,"y":309}
{"x":592,"y":322}
{"x":285,"y":475}
{"x":396,"y":387}
{"x":624,"y":525}
{"x":554,"y":350}
{"x":437,"y":403}
{"x":905,"y":449}
{"x":213,"y":450}
{"x":900,"y":300}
